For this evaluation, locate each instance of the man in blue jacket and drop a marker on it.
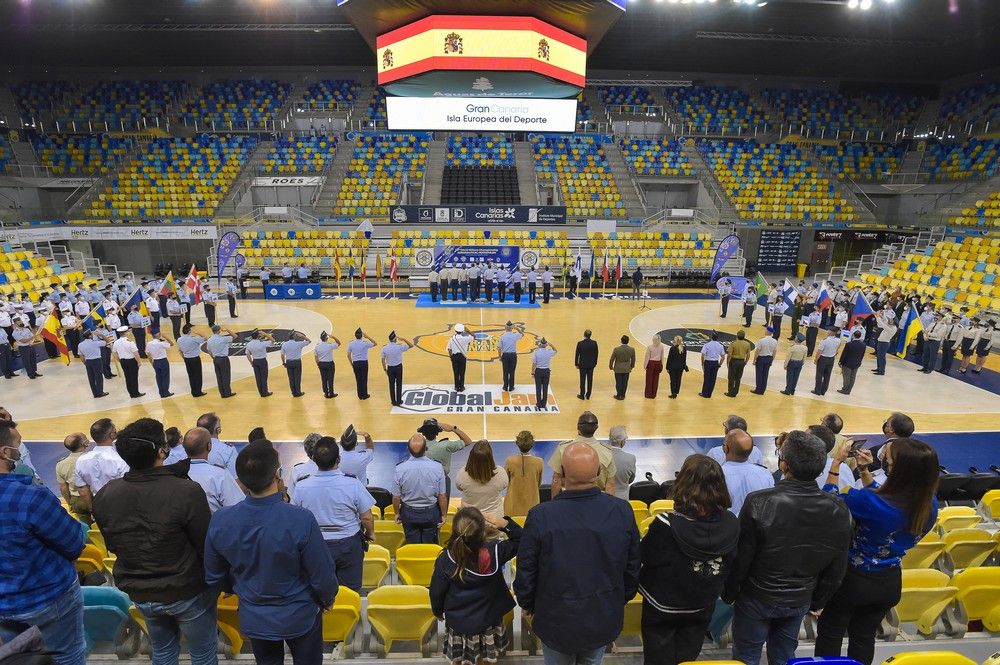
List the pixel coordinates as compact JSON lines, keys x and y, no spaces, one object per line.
{"x":578,"y":564}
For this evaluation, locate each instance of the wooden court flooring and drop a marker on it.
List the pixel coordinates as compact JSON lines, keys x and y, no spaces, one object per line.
{"x":60,"y":402}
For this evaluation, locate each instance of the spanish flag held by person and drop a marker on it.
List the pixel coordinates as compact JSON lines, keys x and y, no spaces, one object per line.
{"x":52,"y":331}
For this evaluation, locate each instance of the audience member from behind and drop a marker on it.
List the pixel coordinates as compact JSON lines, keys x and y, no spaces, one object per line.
{"x":76,"y":444}
{"x":306,"y":468}
{"x":896,"y":426}
{"x":742,"y":476}
{"x":155,"y":520}
{"x":586,"y":428}
{"x":271,"y":555}
{"x":176,"y":454}
{"x":468,"y":588}
{"x":686,"y":556}
{"x":482,"y":482}
{"x":100,"y":464}
{"x":890,"y":520}
{"x":841,"y":472}
{"x":792,"y":555}
{"x":729,"y":424}
{"x":38,"y":581}
{"x":418,"y":494}
{"x":624,"y":462}
{"x":524,"y":472}
{"x":220,"y":488}
{"x":578,"y":564}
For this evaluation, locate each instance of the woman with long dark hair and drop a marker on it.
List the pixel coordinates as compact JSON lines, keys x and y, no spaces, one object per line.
{"x":468,"y":588}
{"x":889,"y":521}
{"x":686,"y":557}
{"x":482,"y":482}
{"x":677,"y":364}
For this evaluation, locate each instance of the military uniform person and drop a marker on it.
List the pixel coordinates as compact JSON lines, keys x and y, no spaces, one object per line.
{"x":475,"y":281}
{"x":454,"y":276}
{"x":458,"y":352}
{"x":265,"y":279}
{"x":763,"y":358}
{"x":418,"y":494}
{"x":256,"y":350}
{"x":739,"y":354}
{"x":463,"y":279}
{"x":490,"y":274}
{"x":725,"y":293}
{"x":434,"y":282}
{"x":503,"y":277}
{"x":357,"y":351}
{"x":291,"y":358}
{"x":6,"y":356}
{"x":323,"y":353}
{"x":128,"y":358}
{"x":231,"y":297}
{"x":749,"y":304}
{"x":508,"y":354}
{"x":532,"y":286}
{"x":777,"y":313}
{"x":156,"y":352}
{"x":547,"y":278}
{"x":541,"y":369}
{"x":175,"y":312}
{"x":90,"y":350}
{"x":71,"y":327}
{"x":103,"y":331}
{"x":343,"y":508}
{"x":241,"y":282}
{"x":217,"y":347}
{"x":25,"y":338}
{"x":135,"y":323}
{"x":392,"y":364}
{"x":153,"y":307}
{"x":185,"y":300}
{"x":209,"y":298}
{"x":812,"y":331}
{"x":190,"y":347}
{"x":517,"y":283}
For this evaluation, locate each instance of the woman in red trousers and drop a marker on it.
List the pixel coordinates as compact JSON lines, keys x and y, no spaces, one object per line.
{"x":654,"y":365}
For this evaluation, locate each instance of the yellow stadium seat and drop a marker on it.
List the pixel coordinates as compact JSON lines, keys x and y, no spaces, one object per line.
{"x":957,"y":517}
{"x":415,"y":563}
{"x":376,"y":566}
{"x":979,"y":592}
{"x":929,"y":658}
{"x":641,"y":511}
{"x":341,"y":620}
{"x":968,"y":548}
{"x":661,"y":506}
{"x":924,"y":553}
{"x":389,"y":534}
{"x":925,"y":598}
{"x":91,"y":560}
{"x":644,"y":526}
{"x":401,"y":613}
{"x":993,"y":659}
{"x":228,"y":620}
{"x":633,"y":621}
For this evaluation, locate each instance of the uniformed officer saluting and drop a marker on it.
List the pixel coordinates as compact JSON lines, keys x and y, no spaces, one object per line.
{"x":256,"y":350}
{"x":357,"y":351}
{"x":507,"y":349}
{"x":189,"y":345}
{"x":343,"y":508}
{"x":418,"y":495}
{"x":291,"y":358}
{"x":458,"y":351}
{"x":217,"y":347}
{"x":323,"y":353}
{"x":392,"y":365}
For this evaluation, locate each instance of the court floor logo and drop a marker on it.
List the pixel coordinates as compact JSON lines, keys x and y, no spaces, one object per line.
{"x":695,"y":338}
{"x":239,"y":345}
{"x":485,"y":344}
{"x":487,"y":399}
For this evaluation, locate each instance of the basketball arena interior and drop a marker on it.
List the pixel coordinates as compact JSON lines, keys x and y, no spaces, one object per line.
{"x":426,"y":171}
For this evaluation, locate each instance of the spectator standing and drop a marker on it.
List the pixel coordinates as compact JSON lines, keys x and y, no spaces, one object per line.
{"x":100,"y":465}
{"x":418,"y":494}
{"x":718,"y":453}
{"x":621,"y":363}
{"x":524,"y":473}
{"x":653,"y":363}
{"x":586,"y":427}
{"x":220,"y":488}
{"x":354,"y":462}
{"x":676,"y":365}
{"x":482,"y":482}
{"x":742,"y":476}
{"x":441,"y":450}
{"x":624,"y":461}
{"x":686,"y":557}
{"x":76,"y":444}
{"x":850,"y":360}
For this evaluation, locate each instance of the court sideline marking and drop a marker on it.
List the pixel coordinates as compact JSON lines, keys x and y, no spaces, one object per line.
{"x":482,"y":367}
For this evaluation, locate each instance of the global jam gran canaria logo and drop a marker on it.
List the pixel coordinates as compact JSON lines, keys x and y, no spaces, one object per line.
{"x":485,"y":346}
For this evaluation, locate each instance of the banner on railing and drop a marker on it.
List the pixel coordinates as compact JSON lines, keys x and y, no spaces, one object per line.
{"x":507,"y":256}
{"x":408,"y":214}
{"x":67,"y":183}
{"x":120,"y":232}
{"x":288,"y":181}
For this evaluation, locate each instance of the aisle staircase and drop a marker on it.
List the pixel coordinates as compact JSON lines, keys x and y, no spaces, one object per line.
{"x":883,"y":256}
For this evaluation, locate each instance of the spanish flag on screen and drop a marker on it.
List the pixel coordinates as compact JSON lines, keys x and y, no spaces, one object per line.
{"x":52,"y":331}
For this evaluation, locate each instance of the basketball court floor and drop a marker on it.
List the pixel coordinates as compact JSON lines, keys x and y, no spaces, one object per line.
{"x":959,"y":413}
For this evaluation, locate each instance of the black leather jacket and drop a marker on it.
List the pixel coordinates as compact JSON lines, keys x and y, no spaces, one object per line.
{"x":793,"y":546}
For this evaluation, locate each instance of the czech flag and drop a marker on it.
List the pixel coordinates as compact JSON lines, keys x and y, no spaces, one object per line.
{"x":824,"y":300}
{"x":52,"y":331}
{"x":862,"y":310}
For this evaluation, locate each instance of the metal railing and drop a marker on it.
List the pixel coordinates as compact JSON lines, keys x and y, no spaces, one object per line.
{"x":695,"y":130}
{"x":882,"y":135}
{"x":71,"y":126}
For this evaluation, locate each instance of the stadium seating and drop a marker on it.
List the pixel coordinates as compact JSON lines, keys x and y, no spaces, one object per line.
{"x":656,"y":158}
{"x":904,"y":110}
{"x":105,"y":609}
{"x":579,"y":165}
{"x":929,"y":658}
{"x":236,"y":104}
{"x":119,"y":103}
{"x":966,"y":273}
{"x":584,"y":114}
{"x":175,"y":179}
{"x":81,"y":155}
{"x":376,"y":566}
{"x":480,"y":170}
{"x":967,"y":548}
{"x":399,"y":613}
{"x":965,"y":104}
{"x":6,"y":154}
{"x":975,"y":158}
{"x":986,"y":213}
{"x":22,"y":271}
{"x":323,"y":94}
{"x":979,"y":593}
{"x":299,"y":154}
{"x":36,"y":99}
{"x":552,"y":247}
{"x":652,"y":250}
{"x":774,"y":182}
{"x":717,"y":109}
{"x":926,"y":596}
{"x":374,"y":176}
{"x":825,"y":112}
{"x":376,"y":107}
{"x":415,"y":563}
{"x":342,"y":620}
{"x":925,"y":553}
{"x":867,"y":162}
{"x":316,"y":249}
{"x":623,"y":95}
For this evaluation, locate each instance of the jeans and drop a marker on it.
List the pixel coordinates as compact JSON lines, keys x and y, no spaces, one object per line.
{"x":194,"y":618}
{"x":668,"y":639}
{"x":792,"y":376}
{"x":881,"y":349}
{"x":553,"y":657}
{"x":756,"y":622}
{"x":857,"y":610}
{"x":306,"y":649}
{"x":61,"y":623}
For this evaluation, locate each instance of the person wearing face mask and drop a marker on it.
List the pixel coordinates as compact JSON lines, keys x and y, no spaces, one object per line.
{"x":896,"y":426}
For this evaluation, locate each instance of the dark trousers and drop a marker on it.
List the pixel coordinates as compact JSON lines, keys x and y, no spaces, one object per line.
{"x":140,"y":340}
{"x":669,"y":639}
{"x":621,"y":384}
{"x":454,"y":289}
{"x":532,"y":292}
{"x":517,"y":292}
{"x":154,"y":323}
{"x":130,"y":368}
{"x":509,"y":363}
{"x":930,"y":354}
{"x":95,"y":376}
{"x":542,"y":386}
{"x":28,"y":360}
{"x":502,"y":292}
{"x":675,"y":380}
{"x":106,"y":363}
{"x":223,"y":374}
{"x":73,"y":341}
{"x":947,"y":355}
{"x":725,"y":306}
{"x":748,"y":314}
{"x":434,"y":291}
{"x":175,"y":324}
{"x":546,"y":292}
{"x":260,"y":371}
{"x":306,"y":649}
{"x":458,"y":363}
{"x":762,"y":370}
{"x":711,"y":370}
{"x":395,"y":376}
{"x":294,"y":370}
{"x":489,"y":290}
{"x":464,"y":286}
{"x":193,"y":367}
{"x":476,"y":284}
{"x":187,"y":314}
{"x":263,"y":286}
{"x":824,"y":369}
{"x":361,"y":377}
{"x":326,"y":372}
{"x":776,"y":325}
{"x":161,"y":369}
{"x":242,"y":284}
{"x":881,"y":349}
{"x":232,"y":306}
{"x":736,"y":367}
{"x":348,"y":556}
{"x":6,"y":361}
{"x":586,"y":381}
{"x":755,"y":623}
{"x":210,"y":315}
{"x":857,"y":610}
{"x":792,"y":376}
{"x":811,"y":333}
{"x":422,"y":533}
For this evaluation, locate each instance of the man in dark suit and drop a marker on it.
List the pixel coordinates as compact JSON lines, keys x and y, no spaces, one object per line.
{"x":622,"y":362}
{"x":586,"y":361}
{"x":850,"y":360}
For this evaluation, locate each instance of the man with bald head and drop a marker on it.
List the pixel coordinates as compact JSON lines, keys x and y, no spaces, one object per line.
{"x":418,"y":494}
{"x":220,"y":488}
{"x":578,"y":563}
{"x":742,"y":475}
{"x":76,"y":444}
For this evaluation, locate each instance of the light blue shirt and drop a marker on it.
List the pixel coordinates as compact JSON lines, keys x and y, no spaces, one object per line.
{"x":324,"y":351}
{"x":190,"y":345}
{"x":293,"y":348}
{"x":358,"y":349}
{"x":828,"y":347}
{"x":713,"y":351}
{"x":90,"y":349}
{"x":336,"y":501}
{"x":418,"y":482}
{"x":303,"y":273}
{"x":176,"y":455}
{"x":257,"y":349}
{"x":547,"y":277}
{"x":223,"y":455}
{"x":393,"y":352}
{"x":218,"y":345}
{"x":3,"y":337}
{"x":300,"y":472}
{"x":719,"y":455}
{"x":509,"y":340}
{"x":355,"y":463}
{"x":220,"y":488}
{"x":543,"y":357}
{"x":743,"y":478}
{"x":134,"y":319}
{"x":174,"y":308}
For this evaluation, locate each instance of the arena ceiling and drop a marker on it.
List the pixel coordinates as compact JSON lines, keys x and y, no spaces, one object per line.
{"x":905,"y":40}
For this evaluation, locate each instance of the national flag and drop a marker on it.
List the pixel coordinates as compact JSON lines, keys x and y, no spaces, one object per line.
{"x":350,"y":267}
{"x":169,"y":286}
{"x":604,"y":270}
{"x":908,"y":331}
{"x":336,"y":264}
{"x":52,"y":331}
{"x":592,"y":275}
{"x":137,"y":299}
{"x":789,"y":293}
{"x":618,"y":269}
{"x":861,"y":311}
{"x":823,"y":300}
{"x":193,"y":284}
{"x":364,"y":267}
{"x":760,"y":284}
{"x":378,"y":267}
{"x":578,"y":265}
{"x":393,"y":269}
{"x":95,"y":318}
